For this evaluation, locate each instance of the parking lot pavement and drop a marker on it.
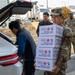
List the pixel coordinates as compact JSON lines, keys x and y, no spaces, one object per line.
{"x":70,"y":69}
{"x":71,"y":66}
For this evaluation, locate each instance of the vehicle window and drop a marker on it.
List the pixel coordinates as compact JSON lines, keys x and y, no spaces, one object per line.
{"x":44,"y":10}
{"x":37,"y":10}
{"x":74,"y":13}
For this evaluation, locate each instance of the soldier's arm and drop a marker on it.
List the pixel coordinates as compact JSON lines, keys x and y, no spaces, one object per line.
{"x":64,"y":53}
{"x":68,"y":32}
{"x":73,"y":33}
{"x":64,"y":23}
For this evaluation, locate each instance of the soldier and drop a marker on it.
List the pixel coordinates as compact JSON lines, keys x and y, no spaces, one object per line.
{"x":61,"y":64}
{"x":70,"y":22}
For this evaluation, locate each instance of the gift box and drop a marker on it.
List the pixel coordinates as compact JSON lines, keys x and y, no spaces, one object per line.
{"x":47,"y":53}
{"x":51,"y":30}
{"x":51,"y":41}
{"x":44,"y":64}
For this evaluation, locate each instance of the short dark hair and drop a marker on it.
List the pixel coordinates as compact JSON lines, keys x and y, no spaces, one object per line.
{"x":18,"y":20}
{"x":61,"y":15}
{"x":14,"y":24}
{"x":46,"y":13}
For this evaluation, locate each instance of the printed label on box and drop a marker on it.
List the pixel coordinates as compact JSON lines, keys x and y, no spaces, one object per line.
{"x":48,"y":30}
{"x":59,"y":31}
{"x":51,"y":41}
{"x":47,"y":53}
{"x":46,"y":65}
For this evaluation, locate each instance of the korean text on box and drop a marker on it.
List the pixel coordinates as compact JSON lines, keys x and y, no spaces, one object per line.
{"x":48,"y":42}
{"x":47,"y":53}
{"x":44,"y":64}
{"x":50,"y":30}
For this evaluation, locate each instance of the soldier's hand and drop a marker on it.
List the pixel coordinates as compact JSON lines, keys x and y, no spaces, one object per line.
{"x":34,"y":64}
{"x":55,"y":69}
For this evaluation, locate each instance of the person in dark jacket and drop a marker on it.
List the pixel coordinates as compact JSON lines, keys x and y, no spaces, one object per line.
{"x":26,"y":46}
{"x":44,"y":22}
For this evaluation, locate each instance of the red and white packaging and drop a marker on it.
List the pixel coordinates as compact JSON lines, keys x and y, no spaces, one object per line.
{"x":47,"y":53}
{"x":47,"y":42}
{"x":44,"y":64}
{"x":51,"y":30}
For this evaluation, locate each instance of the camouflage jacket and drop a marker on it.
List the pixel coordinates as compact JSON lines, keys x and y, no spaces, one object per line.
{"x":70,"y":23}
{"x":65,"y":49}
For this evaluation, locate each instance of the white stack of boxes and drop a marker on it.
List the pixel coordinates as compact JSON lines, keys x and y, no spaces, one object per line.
{"x":50,"y":38}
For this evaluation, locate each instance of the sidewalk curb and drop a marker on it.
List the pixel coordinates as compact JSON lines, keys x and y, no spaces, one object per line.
{"x":72,"y":55}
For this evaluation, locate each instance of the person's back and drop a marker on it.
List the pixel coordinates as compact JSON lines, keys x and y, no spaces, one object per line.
{"x":30,"y":47}
{"x":26,"y":46}
{"x":29,"y":54}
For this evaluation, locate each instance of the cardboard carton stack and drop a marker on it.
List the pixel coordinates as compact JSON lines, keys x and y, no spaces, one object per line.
{"x":50,"y":38}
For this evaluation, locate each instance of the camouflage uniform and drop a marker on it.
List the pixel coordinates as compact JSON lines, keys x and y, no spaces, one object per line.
{"x":71,"y":23}
{"x":64,"y":53}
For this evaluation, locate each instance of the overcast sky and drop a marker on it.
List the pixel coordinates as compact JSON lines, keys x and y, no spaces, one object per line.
{"x":55,"y":3}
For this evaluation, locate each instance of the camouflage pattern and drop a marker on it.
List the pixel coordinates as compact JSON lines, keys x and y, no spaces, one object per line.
{"x":56,"y":11}
{"x":64,"y":53}
{"x":65,"y":49}
{"x":61,"y":72}
{"x":71,"y":24}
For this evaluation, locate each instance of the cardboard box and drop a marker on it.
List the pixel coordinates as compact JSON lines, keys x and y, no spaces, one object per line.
{"x":48,"y":42}
{"x":47,"y":53}
{"x":46,"y":65}
{"x":50,"y":30}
